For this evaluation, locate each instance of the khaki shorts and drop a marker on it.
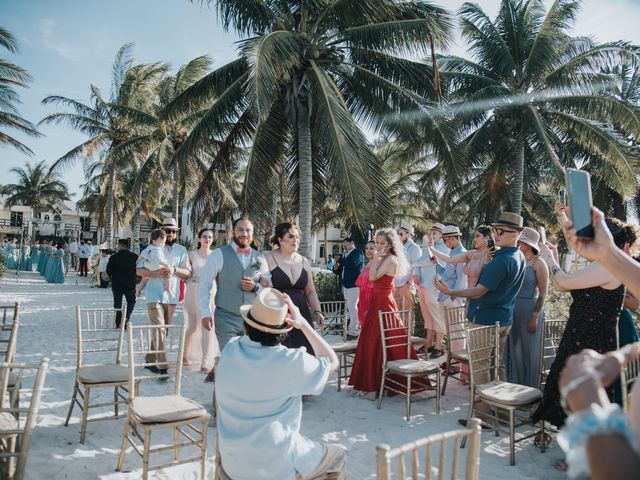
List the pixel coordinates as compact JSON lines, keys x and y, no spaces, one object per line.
{"x":432,"y":311}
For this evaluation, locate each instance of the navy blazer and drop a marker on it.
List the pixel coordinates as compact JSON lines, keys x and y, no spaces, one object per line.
{"x":352,"y":266}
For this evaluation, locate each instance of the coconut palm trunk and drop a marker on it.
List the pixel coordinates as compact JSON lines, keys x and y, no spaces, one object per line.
{"x":176,"y":195}
{"x":110,"y":227}
{"x":305,"y":170}
{"x":518,"y":184}
{"x":136,"y":231}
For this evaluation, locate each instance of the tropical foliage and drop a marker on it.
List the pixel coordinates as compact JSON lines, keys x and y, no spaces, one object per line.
{"x":36,"y":187}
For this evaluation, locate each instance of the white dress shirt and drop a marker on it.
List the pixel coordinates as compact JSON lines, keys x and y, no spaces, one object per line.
{"x":210,"y":272}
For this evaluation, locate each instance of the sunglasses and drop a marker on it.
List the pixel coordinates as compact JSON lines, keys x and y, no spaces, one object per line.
{"x":502,"y":231}
{"x":170,"y":232}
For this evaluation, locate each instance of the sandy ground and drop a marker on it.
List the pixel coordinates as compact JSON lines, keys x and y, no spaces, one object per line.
{"x":47,"y":328}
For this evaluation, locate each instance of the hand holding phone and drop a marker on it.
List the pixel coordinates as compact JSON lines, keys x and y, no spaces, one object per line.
{"x":580,"y":201}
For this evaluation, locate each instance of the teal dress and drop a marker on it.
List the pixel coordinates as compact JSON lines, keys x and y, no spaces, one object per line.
{"x":35,"y":257}
{"x":44,"y":257}
{"x":56,"y":269}
{"x":47,"y":265}
{"x":10,"y":258}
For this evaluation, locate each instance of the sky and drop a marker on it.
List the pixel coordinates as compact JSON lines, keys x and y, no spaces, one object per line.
{"x":66,"y":45}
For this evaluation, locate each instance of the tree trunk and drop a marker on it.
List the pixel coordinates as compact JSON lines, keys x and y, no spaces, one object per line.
{"x":516,"y":203}
{"x":274,"y":206}
{"x":176,"y":195}
{"x":305,"y":177}
{"x":326,"y":246}
{"x":136,"y":231}
{"x":110,"y":227}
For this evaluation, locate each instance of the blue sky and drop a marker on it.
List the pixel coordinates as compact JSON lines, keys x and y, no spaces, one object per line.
{"x":68,"y":44}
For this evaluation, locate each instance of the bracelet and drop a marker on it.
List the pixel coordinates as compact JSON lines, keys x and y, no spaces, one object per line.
{"x":571,"y":386}
{"x":317,"y":311}
{"x":590,"y":422}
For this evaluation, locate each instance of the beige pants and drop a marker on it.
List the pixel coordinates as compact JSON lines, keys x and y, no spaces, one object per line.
{"x":159,"y":314}
{"x":403,"y":297}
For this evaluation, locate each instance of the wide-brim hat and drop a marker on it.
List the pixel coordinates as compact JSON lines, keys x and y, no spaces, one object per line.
{"x":437,"y":226}
{"x":268,"y":312}
{"x":406,"y":227}
{"x":451,"y":231}
{"x":509,"y":219}
{"x":170,"y":222}
{"x":531,"y":238}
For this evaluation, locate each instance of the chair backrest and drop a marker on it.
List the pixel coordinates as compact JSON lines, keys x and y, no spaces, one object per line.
{"x":335,"y":318}
{"x":483,"y":351}
{"x":628,"y":375}
{"x":10,"y":313}
{"x":549,"y":343}
{"x":395,"y":330}
{"x":25,"y":431}
{"x":8,"y":340}
{"x":142,"y":342}
{"x":433,"y":451}
{"x":98,"y":342}
{"x":456,"y":324}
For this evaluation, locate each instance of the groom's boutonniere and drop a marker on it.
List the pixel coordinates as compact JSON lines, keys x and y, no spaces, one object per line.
{"x":255,"y":268}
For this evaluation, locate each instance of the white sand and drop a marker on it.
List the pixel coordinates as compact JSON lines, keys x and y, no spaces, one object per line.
{"x":47,"y":327}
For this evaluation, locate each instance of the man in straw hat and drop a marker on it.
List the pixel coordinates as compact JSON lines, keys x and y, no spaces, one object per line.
{"x":493,"y":298}
{"x":161,"y":303}
{"x":259,"y":389}
{"x":402,"y":293}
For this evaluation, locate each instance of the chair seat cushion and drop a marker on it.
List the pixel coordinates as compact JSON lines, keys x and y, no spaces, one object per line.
{"x":412,"y":366}
{"x":508,"y":393}
{"x":165,"y":409}
{"x":103,"y":374}
{"x":345,"y":347}
{"x":7,"y":422}
{"x":463,"y":357}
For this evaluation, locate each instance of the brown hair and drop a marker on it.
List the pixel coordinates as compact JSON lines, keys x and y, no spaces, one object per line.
{"x":280,"y":231}
{"x":157,"y":233}
{"x":622,"y":232}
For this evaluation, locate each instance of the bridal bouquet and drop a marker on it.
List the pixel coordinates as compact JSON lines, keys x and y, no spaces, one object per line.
{"x":256,"y":268}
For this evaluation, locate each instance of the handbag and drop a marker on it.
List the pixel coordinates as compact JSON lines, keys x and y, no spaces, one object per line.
{"x":104,"y":276}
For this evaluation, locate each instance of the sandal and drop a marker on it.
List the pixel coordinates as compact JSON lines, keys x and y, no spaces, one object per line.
{"x":541,"y":442}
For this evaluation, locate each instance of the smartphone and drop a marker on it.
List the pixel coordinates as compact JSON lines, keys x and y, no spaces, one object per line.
{"x":562,"y":197}
{"x":543,"y":234}
{"x":491,"y":244}
{"x":578,"y":183}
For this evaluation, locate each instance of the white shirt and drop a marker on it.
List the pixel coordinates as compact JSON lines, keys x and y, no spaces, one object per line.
{"x":85,"y":251}
{"x":73,"y":247}
{"x":210,"y":272}
{"x":102,"y":265}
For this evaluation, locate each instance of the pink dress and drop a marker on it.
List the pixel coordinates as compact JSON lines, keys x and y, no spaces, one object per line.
{"x":192,"y":317}
{"x":366,"y":286}
{"x":473,"y":268}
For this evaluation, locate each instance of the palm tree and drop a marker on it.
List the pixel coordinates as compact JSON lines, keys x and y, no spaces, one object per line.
{"x":310,"y":74}
{"x":534,"y":100}
{"x":37,"y":188}
{"x":12,"y":76}
{"x":133,"y":86}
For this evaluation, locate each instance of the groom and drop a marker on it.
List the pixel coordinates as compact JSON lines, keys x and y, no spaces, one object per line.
{"x":235,"y":270}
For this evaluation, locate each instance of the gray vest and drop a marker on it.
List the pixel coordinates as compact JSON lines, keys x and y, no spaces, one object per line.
{"x":229,"y":294}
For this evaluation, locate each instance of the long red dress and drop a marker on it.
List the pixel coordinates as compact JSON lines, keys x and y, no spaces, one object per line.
{"x":366,"y":373}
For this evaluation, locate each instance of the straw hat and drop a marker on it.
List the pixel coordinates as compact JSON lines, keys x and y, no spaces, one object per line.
{"x":437,"y":226}
{"x":530,"y":237}
{"x":509,"y":219}
{"x":170,"y":222}
{"x":407,"y":228}
{"x":451,"y":231}
{"x":267,"y":312}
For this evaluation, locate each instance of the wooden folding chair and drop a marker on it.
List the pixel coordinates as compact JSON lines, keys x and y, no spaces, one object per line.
{"x":433,"y":449}
{"x":549,"y":343}
{"x":98,"y":356}
{"x":628,"y":375}
{"x":483,"y":351}
{"x":395,"y":332}
{"x":161,"y":346}
{"x":456,"y":324}
{"x":14,"y":438}
{"x":8,"y":341}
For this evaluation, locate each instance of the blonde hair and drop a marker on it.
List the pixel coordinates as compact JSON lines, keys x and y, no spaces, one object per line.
{"x":396,"y":249}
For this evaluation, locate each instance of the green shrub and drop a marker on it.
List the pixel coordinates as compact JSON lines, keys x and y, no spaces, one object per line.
{"x":326,"y":283}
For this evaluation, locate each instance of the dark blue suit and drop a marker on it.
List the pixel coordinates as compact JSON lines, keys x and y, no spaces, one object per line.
{"x":352,"y":265}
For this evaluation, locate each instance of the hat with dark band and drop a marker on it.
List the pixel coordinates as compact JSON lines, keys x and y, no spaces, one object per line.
{"x":451,"y":231}
{"x":268,"y":312}
{"x":509,"y":219}
{"x":170,"y":222}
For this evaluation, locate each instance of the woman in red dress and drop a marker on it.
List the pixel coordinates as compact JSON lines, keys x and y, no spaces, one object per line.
{"x":388,"y":262}
{"x":364,"y":284}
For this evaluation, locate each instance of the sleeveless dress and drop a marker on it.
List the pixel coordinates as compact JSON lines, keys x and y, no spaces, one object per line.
{"x":473,"y":268}
{"x":522,"y":350}
{"x":282,"y":282}
{"x":208,"y":341}
{"x":364,"y":299}
{"x":366,"y":373}
{"x":593,"y":323}
{"x":56,"y":269}
{"x":49,"y":263}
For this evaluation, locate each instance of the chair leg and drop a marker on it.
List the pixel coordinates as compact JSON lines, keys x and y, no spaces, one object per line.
{"x":438,"y":377}
{"x":512,"y":434}
{"x":446,"y":376}
{"x":544,"y":439}
{"x":85,"y":415}
{"x":115,"y":400}
{"x":469,"y":415}
{"x":123,"y":444}
{"x":381,"y":392}
{"x":73,"y":402}
{"x":146,"y":454}
{"x":176,"y":441}
{"x":408,"y":398}
{"x":341,"y":358}
{"x":203,"y":448}
{"x":494,"y":414}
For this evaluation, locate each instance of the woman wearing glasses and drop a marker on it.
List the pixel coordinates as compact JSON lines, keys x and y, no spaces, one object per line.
{"x":593,"y":316}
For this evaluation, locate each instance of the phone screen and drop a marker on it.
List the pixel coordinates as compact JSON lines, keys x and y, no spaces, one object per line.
{"x":580,"y":201}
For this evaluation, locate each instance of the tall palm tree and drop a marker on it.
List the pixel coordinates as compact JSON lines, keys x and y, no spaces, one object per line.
{"x":12,"y":76}
{"x":534,"y":100}
{"x":37,"y":188}
{"x":133,"y":86}
{"x":310,"y":74}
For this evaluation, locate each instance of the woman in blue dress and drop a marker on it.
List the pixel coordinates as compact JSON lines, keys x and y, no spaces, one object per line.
{"x":56,"y":269}
{"x":47,"y":266}
{"x":25,"y":256}
{"x":10,"y":257}
{"x":44,"y":257}
{"x":35,"y":256}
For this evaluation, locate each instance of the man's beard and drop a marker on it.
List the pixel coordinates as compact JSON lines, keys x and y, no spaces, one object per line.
{"x":169,"y":243}
{"x":242,"y":243}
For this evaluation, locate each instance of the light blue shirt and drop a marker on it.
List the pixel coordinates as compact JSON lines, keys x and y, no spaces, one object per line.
{"x":413,"y":253}
{"x":154,"y":291}
{"x":453,"y":275}
{"x":427,"y":270}
{"x":259,"y":400}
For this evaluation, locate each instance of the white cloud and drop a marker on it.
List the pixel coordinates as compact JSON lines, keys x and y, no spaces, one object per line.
{"x":47,"y":28}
